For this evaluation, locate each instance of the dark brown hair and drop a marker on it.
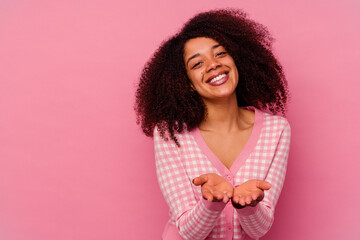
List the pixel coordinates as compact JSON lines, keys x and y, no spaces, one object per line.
{"x":164,"y":98}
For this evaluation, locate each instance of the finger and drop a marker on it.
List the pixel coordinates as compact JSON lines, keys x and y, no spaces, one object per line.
{"x":200,"y":180}
{"x":207,"y":194}
{"x":236,"y":205}
{"x":242,"y":201}
{"x":263,"y":185}
{"x":229,"y":194}
{"x":225,"y":197}
{"x":255,"y":196}
{"x":260,"y":196}
{"x":248,"y":200}
{"x":218,"y":195}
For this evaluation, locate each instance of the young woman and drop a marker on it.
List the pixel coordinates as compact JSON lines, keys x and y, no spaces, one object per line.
{"x":220,"y":160}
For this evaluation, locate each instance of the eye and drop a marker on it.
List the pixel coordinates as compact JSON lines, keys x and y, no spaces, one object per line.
{"x":196,"y":65}
{"x":221,"y":54}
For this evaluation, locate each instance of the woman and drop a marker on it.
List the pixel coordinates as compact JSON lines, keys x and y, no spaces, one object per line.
{"x":216,"y":153}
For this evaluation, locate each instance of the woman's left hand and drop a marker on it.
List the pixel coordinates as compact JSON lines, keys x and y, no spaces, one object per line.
{"x":250,"y":193}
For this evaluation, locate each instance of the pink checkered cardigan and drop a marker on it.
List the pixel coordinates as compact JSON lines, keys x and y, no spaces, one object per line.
{"x":191,"y":216}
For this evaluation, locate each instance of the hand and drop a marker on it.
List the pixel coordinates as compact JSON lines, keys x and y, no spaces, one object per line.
{"x":214,"y":187}
{"x":250,"y":193}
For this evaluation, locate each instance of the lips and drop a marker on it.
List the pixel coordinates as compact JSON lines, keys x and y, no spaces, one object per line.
{"x":218,"y":79}
{"x":216,"y":75}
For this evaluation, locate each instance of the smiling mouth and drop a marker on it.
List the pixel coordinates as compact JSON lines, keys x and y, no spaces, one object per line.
{"x":217,"y":78}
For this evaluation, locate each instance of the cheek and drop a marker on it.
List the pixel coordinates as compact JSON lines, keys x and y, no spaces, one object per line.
{"x":235,"y":70}
{"x":195,"y":78}
{"x":236,"y":74}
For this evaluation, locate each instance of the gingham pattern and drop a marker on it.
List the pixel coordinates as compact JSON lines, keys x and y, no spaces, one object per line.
{"x":196,"y":218}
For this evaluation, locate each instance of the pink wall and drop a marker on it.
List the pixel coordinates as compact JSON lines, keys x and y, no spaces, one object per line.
{"x":73,"y":163}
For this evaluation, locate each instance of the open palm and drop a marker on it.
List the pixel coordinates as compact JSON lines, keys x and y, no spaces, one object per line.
{"x":250,"y":193}
{"x":214,"y":187}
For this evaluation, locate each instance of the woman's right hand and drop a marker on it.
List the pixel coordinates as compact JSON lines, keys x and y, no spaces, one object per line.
{"x":214,"y":187}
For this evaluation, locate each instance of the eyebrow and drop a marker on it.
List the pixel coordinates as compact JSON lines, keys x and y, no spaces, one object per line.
{"x":197,"y":54}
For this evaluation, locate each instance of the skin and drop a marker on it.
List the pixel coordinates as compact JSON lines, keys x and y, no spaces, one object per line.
{"x":204,"y":58}
{"x":227,"y":127}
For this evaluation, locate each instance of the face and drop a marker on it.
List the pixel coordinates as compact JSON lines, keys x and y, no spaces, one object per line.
{"x":211,"y":70}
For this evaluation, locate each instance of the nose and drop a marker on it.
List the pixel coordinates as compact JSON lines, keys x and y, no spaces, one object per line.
{"x":213,"y":64}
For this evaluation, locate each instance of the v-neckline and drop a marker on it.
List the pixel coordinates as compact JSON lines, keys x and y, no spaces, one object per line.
{"x":240,"y":159}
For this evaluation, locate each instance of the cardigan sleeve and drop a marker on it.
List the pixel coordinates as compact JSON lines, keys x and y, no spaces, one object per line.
{"x":256,"y":221}
{"x":194,"y":219}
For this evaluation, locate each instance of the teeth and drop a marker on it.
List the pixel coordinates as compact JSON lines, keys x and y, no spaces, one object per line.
{"x":217,"y":78}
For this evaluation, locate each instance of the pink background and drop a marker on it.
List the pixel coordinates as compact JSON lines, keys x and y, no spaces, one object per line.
{"x":73,"y":162}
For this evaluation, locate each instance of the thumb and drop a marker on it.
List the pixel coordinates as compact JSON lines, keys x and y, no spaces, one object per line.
{"x":263,"y":185}
{"x":200,"y":180}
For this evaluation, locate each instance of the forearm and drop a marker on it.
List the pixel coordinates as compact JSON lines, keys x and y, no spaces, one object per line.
{"x":198,"y":222}
{"x":194,"y":218}
{"x":256,"y":221}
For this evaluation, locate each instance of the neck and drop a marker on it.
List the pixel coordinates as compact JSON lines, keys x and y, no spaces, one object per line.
{"x":223,"y":116}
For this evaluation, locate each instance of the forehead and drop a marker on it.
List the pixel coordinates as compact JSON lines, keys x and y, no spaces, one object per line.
{"x":199,"y":45}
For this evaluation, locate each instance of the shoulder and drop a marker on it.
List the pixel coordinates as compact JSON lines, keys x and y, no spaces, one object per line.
{"x":164,"y":138}
{"x":275,"y":131}
{"x":275,"y":120}
{"x":275,"y":125}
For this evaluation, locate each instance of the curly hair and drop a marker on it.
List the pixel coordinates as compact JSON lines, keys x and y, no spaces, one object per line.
{"x":165,"y":99}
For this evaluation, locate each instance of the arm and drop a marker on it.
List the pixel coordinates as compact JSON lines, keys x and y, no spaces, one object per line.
{"x":256,"y":221}
{"x":194,"y":219}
